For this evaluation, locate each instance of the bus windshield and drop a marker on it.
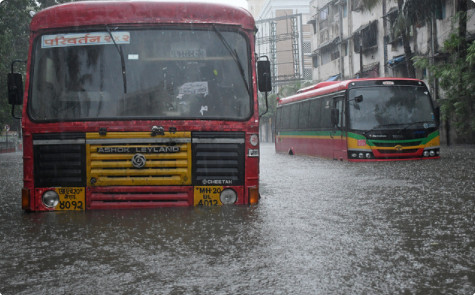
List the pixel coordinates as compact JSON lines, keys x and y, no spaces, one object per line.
{"x":141,"y":74}
{"x":390,"y":107}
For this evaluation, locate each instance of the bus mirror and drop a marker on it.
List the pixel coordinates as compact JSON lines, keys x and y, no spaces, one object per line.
{"x":264,"y":75}
{"x":15,"y":89}
{"x":359,"y":98}
{"x":335,"y":117}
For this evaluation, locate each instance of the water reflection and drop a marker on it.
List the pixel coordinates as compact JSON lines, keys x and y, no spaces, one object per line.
{"x":322,"y":227}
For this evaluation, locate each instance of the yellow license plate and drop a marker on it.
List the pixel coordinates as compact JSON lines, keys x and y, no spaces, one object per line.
{"x":71,"y":198}
{"x":207,"y":195}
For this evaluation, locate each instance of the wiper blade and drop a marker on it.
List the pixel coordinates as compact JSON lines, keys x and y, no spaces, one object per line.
{"x":122,"y":60}
{"x":378,"y":127}
{"x":414,"y":123}
{"x":235,"y":57}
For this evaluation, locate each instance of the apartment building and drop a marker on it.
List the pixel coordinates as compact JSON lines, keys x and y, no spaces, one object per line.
{"x":349,"y":41}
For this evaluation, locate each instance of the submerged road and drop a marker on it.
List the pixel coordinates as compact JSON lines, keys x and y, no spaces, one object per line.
{"x":322,"y":227}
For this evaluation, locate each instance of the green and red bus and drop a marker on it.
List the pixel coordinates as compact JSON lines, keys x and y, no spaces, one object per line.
{"x":140,"y":104}
{"x":379,"y":119}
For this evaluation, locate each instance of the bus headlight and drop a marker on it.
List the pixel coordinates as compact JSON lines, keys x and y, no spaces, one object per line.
{"x":50,"y":199}
{"x":254,"y":139}
{"x":228,"y":196}
{"x":431,"y":153}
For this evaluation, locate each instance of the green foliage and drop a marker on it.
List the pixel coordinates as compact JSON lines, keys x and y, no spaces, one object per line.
{"x":14,"y":37}
{"x":14,"y":33}
{"x":456,"y":76}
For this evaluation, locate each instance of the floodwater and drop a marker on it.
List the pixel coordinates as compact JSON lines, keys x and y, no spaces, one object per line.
{"x":322,"y":227}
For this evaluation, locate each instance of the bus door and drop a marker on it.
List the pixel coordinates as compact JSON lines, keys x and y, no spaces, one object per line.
{"x":338,"y":133}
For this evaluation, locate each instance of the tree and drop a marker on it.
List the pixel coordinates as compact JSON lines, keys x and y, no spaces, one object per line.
{"x":15,"y":19}
{"x":14,"y":32}
{"x":456,"y":76}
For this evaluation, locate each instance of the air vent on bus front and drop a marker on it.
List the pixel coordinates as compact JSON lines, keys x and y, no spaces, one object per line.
{"x":59,"y":160}
{"x":218,"y":158}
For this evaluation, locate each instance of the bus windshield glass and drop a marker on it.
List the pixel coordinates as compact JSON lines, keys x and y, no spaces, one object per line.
{"x":390,"y":107}
{"x":141,"y":74}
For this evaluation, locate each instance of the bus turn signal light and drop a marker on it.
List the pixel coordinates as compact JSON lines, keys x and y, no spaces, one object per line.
{"x":253,"y":195}
{"x":25,"y":198}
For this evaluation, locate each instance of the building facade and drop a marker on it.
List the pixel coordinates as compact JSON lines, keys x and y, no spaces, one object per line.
{"x":350,"y":41}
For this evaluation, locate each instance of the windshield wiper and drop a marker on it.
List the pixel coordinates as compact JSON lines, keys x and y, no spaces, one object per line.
{"x":412,"y":124}
{"x":235,"y":56}
{"x":122,"y":60}
{"x":380,"y":127}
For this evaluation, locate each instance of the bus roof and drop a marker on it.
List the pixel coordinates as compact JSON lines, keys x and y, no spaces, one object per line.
{"x":90,"y":13}
{"x":335,"y":86}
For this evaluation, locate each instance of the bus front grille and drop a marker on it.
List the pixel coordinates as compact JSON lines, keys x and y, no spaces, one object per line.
{"x":58,"y":161}
{"x":393,"y":144}
{"x":218,"y":158}
{"x":406,"y":151}
{"x":138,"y":161}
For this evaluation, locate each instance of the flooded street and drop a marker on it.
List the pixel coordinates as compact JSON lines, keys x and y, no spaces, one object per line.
{"x":321,"y":227}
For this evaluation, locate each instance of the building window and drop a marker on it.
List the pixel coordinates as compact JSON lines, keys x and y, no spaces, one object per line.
{"x":440,"y":12}
{"x":324,"y":14}
{"x":324,"y":36}
{"x":315,"y":61}
{"x":356,"y":5}
{"x":335,"y":53}
{"x":323,"y":18}
{"x":307,"y":47}
{"x":307,"y":74}
{"x":366,"y":36}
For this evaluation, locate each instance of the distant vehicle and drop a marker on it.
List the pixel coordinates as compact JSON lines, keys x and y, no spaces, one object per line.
{"x":377,"y":119}
{"x":140,"y":104}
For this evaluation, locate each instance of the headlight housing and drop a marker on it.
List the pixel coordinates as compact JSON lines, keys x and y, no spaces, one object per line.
{"x":228,"y":196}
{"x":50,"y":199}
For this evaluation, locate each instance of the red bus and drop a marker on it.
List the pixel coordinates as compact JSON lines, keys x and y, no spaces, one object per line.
{"x":378,"y":119}
{"x":140,"y":104}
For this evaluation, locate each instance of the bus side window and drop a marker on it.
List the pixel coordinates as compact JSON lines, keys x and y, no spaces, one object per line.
{"x":314,"y":114}
{"x":285,"y":121}
{"x":326,"y":112}
{"x":294,"y":116}
{"x":278,"y":119}
{"x":338,"y":107}
{"x":303,"y":115}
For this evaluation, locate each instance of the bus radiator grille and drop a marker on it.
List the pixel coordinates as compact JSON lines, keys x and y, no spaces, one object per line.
{"x":218,"y":158}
